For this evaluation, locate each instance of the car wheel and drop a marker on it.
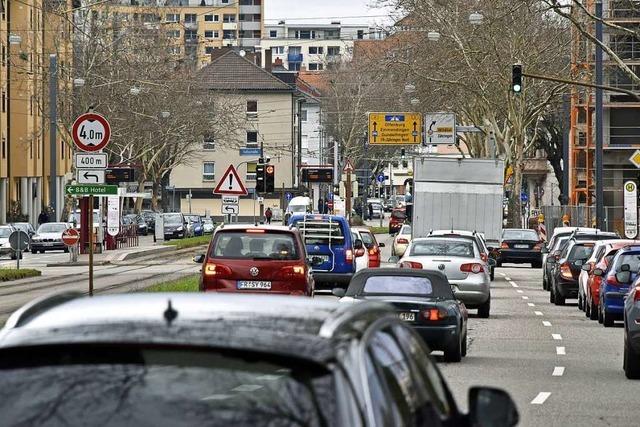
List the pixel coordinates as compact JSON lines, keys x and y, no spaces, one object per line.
{"x":631,"y":361}
{"x":537,"y":264}
{"x":13,"y":255}
{"x":454,"y":353}
{"x":557,"y":298}
{"x":42,"y":251}
{"x":600,"y":316}
{"x":493,"y":273}
{"x":580,"y":306}
{"x":65,"y":250}
{"x":552,"y":296}
{"x":607,"y":319}
{"x":587,"y":309}
{"x":33,"y":251}
{"x":593,"y":310}
{"x":545,"y":284}
{"x":464,"y":345}
{"x":498,"y":263}
{"x":484,"y":309}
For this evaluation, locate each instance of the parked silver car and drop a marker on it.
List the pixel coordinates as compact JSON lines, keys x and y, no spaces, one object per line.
{"x":49,"y":237}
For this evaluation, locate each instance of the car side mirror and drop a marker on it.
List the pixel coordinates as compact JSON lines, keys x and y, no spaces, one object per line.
{"x":394,"y":259}
{"x":544,"y":250}
{"x":598,"y":272}
{"x":551,"y":260}
{"x":578,"y":263}
{"x":358,"y":244}
{"x":199,"y":259}
{"x":586,"y":267}
{"x":623,"y":277}
{"x":492,"y":262}
{"x":381,"y":245}
{"x":360,"y":252}
{"x":338,"y":292}
{"x":491,"y":407}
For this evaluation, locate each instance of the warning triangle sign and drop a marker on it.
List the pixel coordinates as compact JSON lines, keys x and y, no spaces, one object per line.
{"x":348,"y":167}
{"x":231,"y":183}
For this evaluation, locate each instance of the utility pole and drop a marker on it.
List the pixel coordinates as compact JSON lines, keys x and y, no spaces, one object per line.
{"x":53,"y":122}
{"x":599,"y":119}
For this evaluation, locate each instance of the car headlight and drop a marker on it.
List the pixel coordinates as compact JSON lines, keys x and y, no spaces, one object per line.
{"x":179,"y":228}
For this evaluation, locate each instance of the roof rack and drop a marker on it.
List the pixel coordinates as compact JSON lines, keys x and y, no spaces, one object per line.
{"x":38,"y":306}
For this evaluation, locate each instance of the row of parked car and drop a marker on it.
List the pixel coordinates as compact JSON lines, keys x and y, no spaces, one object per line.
{"x":601,"y":270}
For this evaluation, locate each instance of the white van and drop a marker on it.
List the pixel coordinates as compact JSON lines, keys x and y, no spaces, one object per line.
{"x":300,"y":204}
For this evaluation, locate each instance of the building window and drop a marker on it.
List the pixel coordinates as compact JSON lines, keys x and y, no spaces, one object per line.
{"x":4,"y":147}
{"x":278,"y":50}
{"x":251,"y":171}
{"x":208,"y":18}
{"x":305,"y":34}
{"x":315,"y":66}
{"x":303,"y":115}
{"x":208,"y":34}
{"x":360,"y":34}
{"x":173,"y":50}
{"x":209,"y":142}
{"x":333,"y":50}
{"x":228,"y":34}
{"x":294,"y":66}
{"x":172,"y":17}
{"x":273,"y":34}
{"x":228,"y":18}
{"x":190,"y":18}
{"x":252,"y":139}
{"x":252,"y":109}
{"x":225,"y":2}
{"x":208,"y":171}
{"x":316,"y":50}
{"x":173,"y":34}
{"x":4,"y":102}
{"x":190,"y":35}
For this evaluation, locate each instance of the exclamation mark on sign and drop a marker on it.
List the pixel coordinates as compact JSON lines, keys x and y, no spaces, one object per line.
{"x":230,"y":182}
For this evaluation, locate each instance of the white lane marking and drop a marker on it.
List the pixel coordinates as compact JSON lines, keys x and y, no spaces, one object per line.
{"x":557,"y":337}
{"x":218,"y":397}
{"x":530,"y":304}
{"x":247,"y":387}
{"x":558,"y":371}
{"x":538,"y":313}
{"x":268,"y":377}
{"x":560,"y":351}
{"x":540,"y":398}
{"x":514,"y":284}
{"x":502,"y":274}
{"x":507,"y":279}
{"x":525,"y":297}
{"x":546,"y":323}
{"x":520,"y":291}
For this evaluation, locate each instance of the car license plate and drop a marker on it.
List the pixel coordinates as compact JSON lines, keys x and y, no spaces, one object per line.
{"x":521,"y":246}
{"x":253,"y":284}
{"x":47,"y":244}
{"x":408,"y":317}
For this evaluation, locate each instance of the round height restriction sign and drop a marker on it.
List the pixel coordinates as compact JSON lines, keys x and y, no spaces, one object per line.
{"x":91,"y":132}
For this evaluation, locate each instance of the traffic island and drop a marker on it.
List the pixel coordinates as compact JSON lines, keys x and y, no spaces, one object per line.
{"x":9,"y":274}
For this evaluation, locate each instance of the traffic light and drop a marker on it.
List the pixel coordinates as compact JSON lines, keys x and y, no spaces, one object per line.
{"x":516,"y":79}
{"x":260,"y":181}
{"x":403,"y":153}
{"x":269,"y":178}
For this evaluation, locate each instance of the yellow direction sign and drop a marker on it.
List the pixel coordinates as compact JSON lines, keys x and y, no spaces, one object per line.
{"x":395,"y":128}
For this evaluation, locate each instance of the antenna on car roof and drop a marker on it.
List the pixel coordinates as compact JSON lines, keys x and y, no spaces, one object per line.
{"x":170,"y":314}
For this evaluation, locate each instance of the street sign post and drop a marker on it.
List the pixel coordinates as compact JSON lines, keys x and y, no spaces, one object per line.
{"x":231,"y":183}
{"x":440,"y":128}
{"x":230,"y":200}
{"x":91,"y":190}
{"x":71,"y":237}
{"x":91,"y":160}
{"x":113,"y":215}
{"x":381,"y":178}
{"x":288,"y":196}
{"x":19,"y":241}
{"x":395,"y":129}
{"x":230,"y":209}
{"x":630,"y":209}
{"x":91,"y":132}
{"x":90,"y":176}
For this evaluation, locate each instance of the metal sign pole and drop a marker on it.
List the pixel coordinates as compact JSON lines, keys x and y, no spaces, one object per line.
{"x":90,"y":227}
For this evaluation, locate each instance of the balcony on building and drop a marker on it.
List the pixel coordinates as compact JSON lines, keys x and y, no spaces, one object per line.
{"x":250,"y":25}
{"x":250,"y":6}
{"x":230,"y":26}
{"x":249,"y":42}
{"x":295,"y":57}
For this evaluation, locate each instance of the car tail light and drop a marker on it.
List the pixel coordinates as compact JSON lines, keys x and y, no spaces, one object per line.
{"x":636,"y":296}
{"x":373,"y":251}
{"x":403,"y":241}
{"x":504,"y":245}
{"x":434,"y":314}
{"x":484,"y":257}
{"x":348,"y":256}
{"x":291,"y":272}
{"x":411,"y":264}
{"x":255,"y":230}
{"x":473,"y":267}
{"x":537,"y":247}
{"x":565,"y":271}
{"x":217,"y":271}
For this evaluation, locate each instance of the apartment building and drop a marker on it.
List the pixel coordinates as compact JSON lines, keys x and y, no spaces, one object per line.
{"x":312,"y":46}
{"x":28,"y":27}
{"x":269,"y":108}
{"x":197,"y":26}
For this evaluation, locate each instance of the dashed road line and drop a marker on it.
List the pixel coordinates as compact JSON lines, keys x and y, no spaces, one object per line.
{"x":520,"y":291}
{"x":546,"y":323}
{"x":502,"y":274}
{"x":525,"y":297}
{"x":507,"y":278}
{"x":530,"y":304}
{"x":514,"y":284}
{"x":538,"y":313}
{"x":558,"y":371}
{"x":218,"y":397}
{"x":556,"y":337}
{"x":247,"y":388}
{"x":560,"y":351}
{"x":541,"y":398}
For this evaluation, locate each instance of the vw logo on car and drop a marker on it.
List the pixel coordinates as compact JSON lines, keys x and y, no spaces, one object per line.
{"x":254,"y":271}
{"x":441,"y":267}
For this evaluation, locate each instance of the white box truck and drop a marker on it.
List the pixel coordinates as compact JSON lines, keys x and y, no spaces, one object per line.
{"x":458,"y":194}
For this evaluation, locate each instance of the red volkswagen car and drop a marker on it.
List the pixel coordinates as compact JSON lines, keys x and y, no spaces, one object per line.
{"x":256,"y":259}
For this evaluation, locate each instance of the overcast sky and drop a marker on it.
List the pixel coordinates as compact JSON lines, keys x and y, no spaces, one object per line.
{"x":311,"y":10}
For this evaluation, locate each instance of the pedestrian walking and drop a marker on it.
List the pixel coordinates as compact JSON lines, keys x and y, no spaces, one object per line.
{"x":43,"y":217}
{"x":370,"y":210}
{"x":267,"y":215}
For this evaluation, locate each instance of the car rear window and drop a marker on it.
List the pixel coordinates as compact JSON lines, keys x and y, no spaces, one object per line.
{"x":5,"y":232}
{"x":248,"y":245}
{"x":520,"y":235}
{"x":399,"y":214}
{"x":581,"y":251}
{"x":162,"y":387}
{"x":52,"y":228}
{"x":432,"y":247}
{"x":406,"y":229}
{"x":631,"y":258}
{"x":320,"y":232}
{"x":406,"y":285}
{"x":172,"y":219}
{"x":367,"y":239}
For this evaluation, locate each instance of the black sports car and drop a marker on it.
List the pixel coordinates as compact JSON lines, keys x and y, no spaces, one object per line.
{"x":423,"y":299}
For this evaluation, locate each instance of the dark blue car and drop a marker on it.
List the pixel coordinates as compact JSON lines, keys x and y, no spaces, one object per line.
{"x":195,"y":221}
{"x":615,"y":285}
{"x":330,"y":247}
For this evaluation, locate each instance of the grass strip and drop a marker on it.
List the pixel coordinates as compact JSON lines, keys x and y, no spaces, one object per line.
{"x":186,"y":284}
{"x":8,"y":274}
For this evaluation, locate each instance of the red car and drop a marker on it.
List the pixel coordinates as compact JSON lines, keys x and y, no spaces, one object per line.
{"x":372,"y":246}
{"x":398,"y":216}
{"x":256,"y":259}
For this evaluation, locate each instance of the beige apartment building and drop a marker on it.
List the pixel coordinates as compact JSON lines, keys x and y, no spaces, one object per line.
{"x":269,"y":109}
{"x":30,"y":34}
{"x":197,"y":26}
